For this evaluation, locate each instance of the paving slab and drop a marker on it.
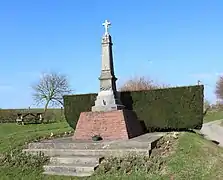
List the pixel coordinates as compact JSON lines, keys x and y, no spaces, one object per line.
{"x":143,"y":141}
{"x":213,"y":131}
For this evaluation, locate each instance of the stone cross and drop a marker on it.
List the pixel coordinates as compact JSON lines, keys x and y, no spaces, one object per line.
{"x":106,"y":24}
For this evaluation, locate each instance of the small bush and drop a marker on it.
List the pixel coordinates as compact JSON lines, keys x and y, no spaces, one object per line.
{"x":8,"y":115}
{"x":16,"y":158}
{"x":130,"y":163}
{"x":154,"y":164}
{"x":49,"y":116}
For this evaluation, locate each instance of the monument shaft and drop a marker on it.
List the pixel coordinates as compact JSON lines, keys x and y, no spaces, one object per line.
{"x":107,"y":78}
{"x":108,"y":98}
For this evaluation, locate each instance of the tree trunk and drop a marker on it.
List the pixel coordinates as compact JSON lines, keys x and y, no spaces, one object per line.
{"x":205,"y":112}
{"x":45,"y":109}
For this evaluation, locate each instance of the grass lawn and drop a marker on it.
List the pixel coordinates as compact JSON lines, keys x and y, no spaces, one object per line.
{"x":196,"y":158}
{"x":189,"y":157}
{"x":213,"y":115}
{"x":13,"y":136}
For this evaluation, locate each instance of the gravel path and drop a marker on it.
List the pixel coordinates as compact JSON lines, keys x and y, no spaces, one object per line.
{"x":213,"y":131}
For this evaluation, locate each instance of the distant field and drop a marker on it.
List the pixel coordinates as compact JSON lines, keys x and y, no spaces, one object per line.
{"x":35,"y":110}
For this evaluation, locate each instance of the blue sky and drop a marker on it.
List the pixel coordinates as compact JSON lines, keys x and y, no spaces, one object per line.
{"x":171,"y":41}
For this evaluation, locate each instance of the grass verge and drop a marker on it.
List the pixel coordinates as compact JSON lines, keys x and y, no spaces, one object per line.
{"x":13,"y":163}
{"x":196,"y":159}
{"x":213,"y":115}
{"x":221,"y":124}
{"x":187,"y":156}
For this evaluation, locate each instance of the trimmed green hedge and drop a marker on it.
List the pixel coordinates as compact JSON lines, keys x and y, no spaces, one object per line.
{"x":75,"y":104}
{"x":8,"y":115}
{"x":170,"y":108}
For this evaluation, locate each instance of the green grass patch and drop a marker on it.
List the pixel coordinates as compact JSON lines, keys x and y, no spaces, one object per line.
{"x":221,"y":124}
{"x":213,"y":115}
{"x":13,"y":163}
{"x":189,"y":156}
{"x":196,"y":158}
{"x":13,"y":136}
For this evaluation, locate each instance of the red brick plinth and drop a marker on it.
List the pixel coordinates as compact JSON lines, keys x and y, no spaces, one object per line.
{"x":112,"y":125}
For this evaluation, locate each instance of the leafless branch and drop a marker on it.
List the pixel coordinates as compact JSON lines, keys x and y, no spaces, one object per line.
{"x":50,"y":89}
{"x":140,"y":83}
{"x":219,"y":88}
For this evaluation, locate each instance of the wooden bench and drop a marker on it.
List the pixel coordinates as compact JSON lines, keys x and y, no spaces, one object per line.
{"x":36,"y":116}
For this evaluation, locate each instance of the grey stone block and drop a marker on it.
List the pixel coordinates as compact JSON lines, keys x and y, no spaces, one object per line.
{"x":76,"y":160}
{"x":82,"y":174}
{"x":69,"y":169}
{"x":88,"y":152}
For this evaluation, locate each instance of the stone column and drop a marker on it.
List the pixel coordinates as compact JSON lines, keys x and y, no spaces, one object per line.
{"x":108,"y":98}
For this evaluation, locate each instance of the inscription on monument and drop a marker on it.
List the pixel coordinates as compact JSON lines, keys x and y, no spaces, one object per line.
{"x":102,"y":88}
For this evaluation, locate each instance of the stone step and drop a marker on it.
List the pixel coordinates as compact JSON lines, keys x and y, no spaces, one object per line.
{"x":83,"y":174}
{"x":57,"y":145}
{"x":111,"y":145}
{"x":75,"y":160}
{"x":87,"y":152}
{"x":69,"y":169}
{"x":79,"y":158}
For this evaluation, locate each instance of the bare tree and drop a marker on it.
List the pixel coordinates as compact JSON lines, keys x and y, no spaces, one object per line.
{"x":50,"y":90}
{"x":219,"y":88}
{"x":207,"y":106}
{"x":140,"y":83}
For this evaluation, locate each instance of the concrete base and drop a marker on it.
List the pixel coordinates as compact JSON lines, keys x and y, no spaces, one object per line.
{"x":107,"y":101}
{"x":111,"y":125}
{"x":113,"y":107}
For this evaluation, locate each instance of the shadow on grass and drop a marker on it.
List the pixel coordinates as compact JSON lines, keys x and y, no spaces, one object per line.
{"x":150,"y":130}
{"x":50,"y":122}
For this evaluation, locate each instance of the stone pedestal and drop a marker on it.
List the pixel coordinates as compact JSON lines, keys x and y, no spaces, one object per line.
{"x":107,"y":101}
{"x":110,"y":125}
